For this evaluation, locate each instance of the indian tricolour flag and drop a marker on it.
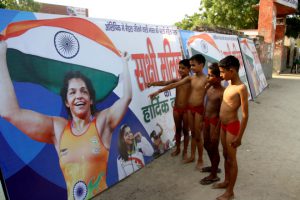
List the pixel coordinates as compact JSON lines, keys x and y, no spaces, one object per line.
{"x":43,"y":51}
{"x":204,"y":44}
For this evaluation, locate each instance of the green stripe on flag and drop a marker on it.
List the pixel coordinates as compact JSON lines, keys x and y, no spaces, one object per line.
{"x":50,"y":73}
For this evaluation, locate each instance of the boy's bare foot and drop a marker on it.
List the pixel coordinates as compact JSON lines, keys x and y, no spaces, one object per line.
{"x":222,"y":185}
{"x":199,"y":165}
{"x":226,"y":196}
{"x":189,"y":160}
{"x":176,"y":152}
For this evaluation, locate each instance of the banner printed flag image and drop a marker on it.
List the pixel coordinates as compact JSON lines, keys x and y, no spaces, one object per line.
{"x":43,"y":51}
{"x":254,"y":68}
{"x":205,"y":45}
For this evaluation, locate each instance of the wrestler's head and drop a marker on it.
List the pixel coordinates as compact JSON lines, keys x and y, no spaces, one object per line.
{"x":184,"y":68}
{"x":126,"y":141}
{"x":229,"y":67}
{"x":197,"y":63}
{"x":213,"y":75}
{"x":78,"y":94}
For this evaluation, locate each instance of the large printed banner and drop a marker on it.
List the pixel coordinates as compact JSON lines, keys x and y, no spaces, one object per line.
{"x":256,"y":76}
{"x":76,"y":117}
{"x":214,"y":47}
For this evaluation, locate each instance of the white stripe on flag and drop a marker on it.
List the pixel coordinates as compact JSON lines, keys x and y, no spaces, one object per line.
{"x":40,"y":42}
{"x":205,"y":48}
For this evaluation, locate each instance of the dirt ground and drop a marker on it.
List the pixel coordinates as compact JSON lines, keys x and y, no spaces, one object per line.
{"x":269,"y":158}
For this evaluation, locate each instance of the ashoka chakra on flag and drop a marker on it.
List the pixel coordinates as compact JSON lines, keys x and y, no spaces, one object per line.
{"x":43,"y":51}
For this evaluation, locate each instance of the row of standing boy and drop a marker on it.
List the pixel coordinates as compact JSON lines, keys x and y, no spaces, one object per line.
{"x":210,"y":112}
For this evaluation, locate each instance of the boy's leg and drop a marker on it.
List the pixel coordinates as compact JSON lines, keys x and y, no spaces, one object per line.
{"x":207,"y":141}
{"x":193,"y":143}
{"x":214,"y":148}
{"x":186,"y":137}
{"x":233,"y":167}
{"x":178,"y":125}
{"x":213,"y":151}
{"x":198,"y":124}
{"x":225,"y":183}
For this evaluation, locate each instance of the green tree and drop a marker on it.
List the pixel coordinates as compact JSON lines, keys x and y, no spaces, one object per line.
{"x":232,"y":14}
{"x":26,"y":5}
{"x":293,"y":24}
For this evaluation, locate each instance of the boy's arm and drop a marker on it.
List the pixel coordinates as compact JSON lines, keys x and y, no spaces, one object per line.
{"x":244,"y":106}
{"x":170,"y":86}
{"x":161,"y":83}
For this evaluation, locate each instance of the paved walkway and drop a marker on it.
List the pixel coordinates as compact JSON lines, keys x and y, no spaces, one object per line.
{"x":269,"y":158}
{"x":1,"y":192}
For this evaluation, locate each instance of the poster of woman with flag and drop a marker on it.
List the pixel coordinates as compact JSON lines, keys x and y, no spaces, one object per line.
{"x":82,"y":142}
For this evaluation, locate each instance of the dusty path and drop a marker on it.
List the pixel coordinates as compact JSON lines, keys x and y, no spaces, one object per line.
{"x":269,"y":158}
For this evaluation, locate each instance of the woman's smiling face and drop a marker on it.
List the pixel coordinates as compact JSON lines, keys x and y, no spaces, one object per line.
{"x":78,"y":98}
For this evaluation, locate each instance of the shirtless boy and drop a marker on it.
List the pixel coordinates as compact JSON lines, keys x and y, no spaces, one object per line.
{"x":232,"y":130}
{"x":195,"y":105}
{"x":211,"y":131}
{"x":180,"y":108}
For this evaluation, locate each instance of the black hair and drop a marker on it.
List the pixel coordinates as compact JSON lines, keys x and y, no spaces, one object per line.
{"x":122,"y":146}
{"x":64,"y":90}
{"x":186,"y":63}
{"x":214,"y":67}
{"x":230,"y":62}
{"x":198,"y":58}
{"x":154,"y":135}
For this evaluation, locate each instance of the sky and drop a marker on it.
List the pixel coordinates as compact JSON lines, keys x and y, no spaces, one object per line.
{"x":160,"y":12}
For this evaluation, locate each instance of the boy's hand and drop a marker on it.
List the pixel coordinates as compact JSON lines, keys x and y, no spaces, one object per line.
{"x":208,"y":85}
{"x":236,"y":142}
{"x":149,"y":85}
{"x":153,"y":95}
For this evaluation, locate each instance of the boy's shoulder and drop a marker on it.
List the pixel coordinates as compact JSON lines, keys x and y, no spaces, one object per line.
{"x":200,"y":77}
{"x":236,"y":88}
{"x":242,"y":87}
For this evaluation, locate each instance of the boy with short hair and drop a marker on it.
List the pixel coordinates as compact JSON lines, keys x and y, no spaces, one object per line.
{"x":180,"y":107}
{"x":232,"y":130}
{"x":211,"y":131}
{"x":195,"y":104}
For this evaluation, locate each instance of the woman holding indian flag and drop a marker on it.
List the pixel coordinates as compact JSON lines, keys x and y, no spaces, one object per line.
{"x":82,"y":142}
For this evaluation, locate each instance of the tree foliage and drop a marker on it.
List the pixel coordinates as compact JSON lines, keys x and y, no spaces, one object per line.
{"x":293,"y":24}
{"x":26,"y":5}
{"x":232,"y":14}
